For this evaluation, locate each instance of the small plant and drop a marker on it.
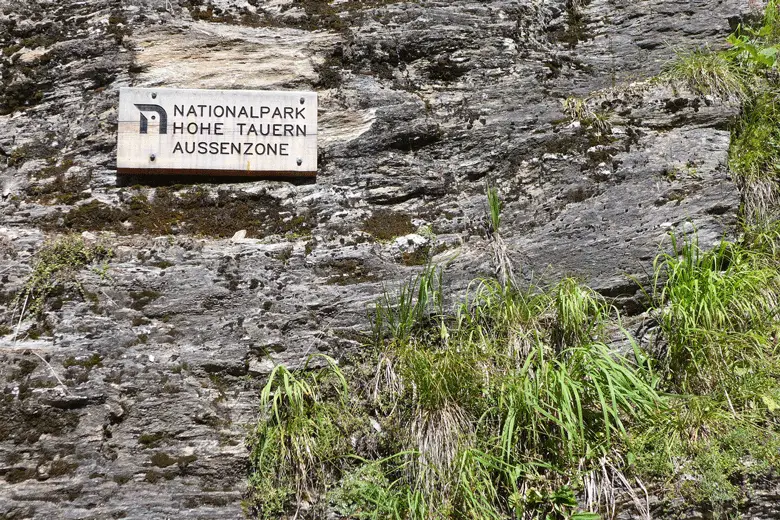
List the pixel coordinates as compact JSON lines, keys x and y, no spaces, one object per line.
{"x":415,"y":303}
{"x":757,"y":48}
{"x":578,"y":110}
{"x":708,"y":73}
{"x":501,"y":260}
{"x":296,"y":444}
{"x":56,"y":268}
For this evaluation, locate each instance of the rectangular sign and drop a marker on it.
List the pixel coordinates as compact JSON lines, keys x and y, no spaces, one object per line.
{"x":217,"y":132}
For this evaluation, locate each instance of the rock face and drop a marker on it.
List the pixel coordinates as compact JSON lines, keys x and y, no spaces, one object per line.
{"x":421,"y":104}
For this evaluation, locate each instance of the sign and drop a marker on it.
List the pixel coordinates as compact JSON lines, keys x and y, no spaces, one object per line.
{"x":217,"y":132}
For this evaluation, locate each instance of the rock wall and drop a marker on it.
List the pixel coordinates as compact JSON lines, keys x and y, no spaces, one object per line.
{"x":421,"y":104}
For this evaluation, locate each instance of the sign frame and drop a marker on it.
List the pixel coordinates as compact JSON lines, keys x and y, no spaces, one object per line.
{"x":248,"y":133}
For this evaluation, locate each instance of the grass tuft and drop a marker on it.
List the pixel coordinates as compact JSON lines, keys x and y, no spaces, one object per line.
{"x":716,"y":310}
{"x":295,"y":448}
{"x":708,"y":73}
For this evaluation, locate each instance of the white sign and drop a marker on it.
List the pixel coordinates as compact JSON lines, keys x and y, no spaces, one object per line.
{"x":217,"y":132}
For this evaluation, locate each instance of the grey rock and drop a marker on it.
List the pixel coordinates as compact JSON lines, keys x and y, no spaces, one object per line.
{"x":421,"y":103}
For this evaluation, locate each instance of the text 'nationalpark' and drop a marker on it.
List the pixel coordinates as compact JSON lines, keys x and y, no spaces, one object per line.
{"x":286,"y":128}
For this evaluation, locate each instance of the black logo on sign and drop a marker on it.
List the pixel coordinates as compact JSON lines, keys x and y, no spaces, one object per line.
{"x":159,"y":111}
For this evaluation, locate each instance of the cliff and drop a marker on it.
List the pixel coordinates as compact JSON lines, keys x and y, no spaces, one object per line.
{"x":209,"y":283}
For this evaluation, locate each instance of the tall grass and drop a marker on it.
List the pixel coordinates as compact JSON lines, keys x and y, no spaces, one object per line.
{"x":718,"y":362}
{"x":515,"y":382}
{"x":580,"y":314}
{"x":295,"y":448}
{"x":716,"y":310}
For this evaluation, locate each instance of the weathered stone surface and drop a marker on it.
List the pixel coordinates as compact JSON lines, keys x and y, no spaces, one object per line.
{"x":421,"y":104}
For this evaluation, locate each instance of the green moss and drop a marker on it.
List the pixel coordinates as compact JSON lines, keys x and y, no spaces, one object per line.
{"x":43,"y":383}
{"x":162,"y":460}
{"x":169,"y":388}
{"x":163,"y":264}
{"x":284,"y":254}
{"x":16,"y":475}
{"x":418,"y":257}
{"x":181,"y":367}
{"x":446,"y":70}
{"x":139,"y":321}
{"x":61,"y":467}
{"x":348,"y":272}
{"x":20,"y":423}
{"x":143,"y":298}
{"x":121,"y":479}
{"x":151,"y":440}
{"x":55,"y":269}
{"x":185,"y":460}
{"x":93,"y":361}
{"x":25,"y":367}
{"x":318,"y":15}
{"x":20,"y":95}
{"x":38,"y":149}
{"x":329,"y":75}
{"x":118,"y":26}
{"x":213,"y":14}
{"x":576,"y":28}
{"x":63,"y":189}
{"x":11,"y":49}
{"x":41,"y":40}
{"x":153,"y":477}
{"x":192,"y":211}
{"x":386,"y":224}
{"x":66,"y":192}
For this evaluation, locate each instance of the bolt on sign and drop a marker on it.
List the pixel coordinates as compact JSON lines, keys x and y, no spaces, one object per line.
{"x":217,"y":132}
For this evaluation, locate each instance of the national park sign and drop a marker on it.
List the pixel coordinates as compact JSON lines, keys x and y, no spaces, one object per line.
{"x":217,"y":132}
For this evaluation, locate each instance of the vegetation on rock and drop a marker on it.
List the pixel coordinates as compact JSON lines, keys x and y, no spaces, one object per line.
{"x":746,"y":72}
{"x":56,"y":268}
{"x":514,"y":401}
{"x":512,"y":404}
